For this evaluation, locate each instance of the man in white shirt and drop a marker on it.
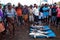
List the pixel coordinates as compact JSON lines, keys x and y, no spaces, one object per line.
{"x":36,"y":13}
{"x":31,"y":18}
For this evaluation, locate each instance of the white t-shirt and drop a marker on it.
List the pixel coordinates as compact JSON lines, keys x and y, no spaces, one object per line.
{"x":36,"y":11}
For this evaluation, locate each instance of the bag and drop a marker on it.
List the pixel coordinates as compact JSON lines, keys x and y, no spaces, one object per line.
{"x":2,"y":28}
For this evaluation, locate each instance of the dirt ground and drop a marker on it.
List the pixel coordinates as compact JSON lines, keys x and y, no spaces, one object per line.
{"x":22,"y":33}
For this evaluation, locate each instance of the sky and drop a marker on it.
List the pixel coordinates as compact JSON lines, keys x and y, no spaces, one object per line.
{"x":27,"y":2}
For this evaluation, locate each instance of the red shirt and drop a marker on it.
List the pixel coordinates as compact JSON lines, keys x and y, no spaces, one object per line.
{"x":58,"y":12}
{"x":19,"y":11}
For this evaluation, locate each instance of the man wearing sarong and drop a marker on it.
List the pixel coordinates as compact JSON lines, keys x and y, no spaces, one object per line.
{"x":11,"y":17}
{"x":25,"y":13}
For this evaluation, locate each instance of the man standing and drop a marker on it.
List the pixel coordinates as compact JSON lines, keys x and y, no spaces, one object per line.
{"x":45,"y":12}
{"x":54,"y":14}
{"x":19,"y":12}
{"x":2,"y":28}
{"x":58,"y":17}
{"x":10,"y":17}
{"x":36,"y":13}
{"x":1,"y":13}
{"x":31,"y":18}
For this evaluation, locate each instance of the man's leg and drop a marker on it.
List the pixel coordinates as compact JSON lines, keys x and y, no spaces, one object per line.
{"x":30,"y":18}
{"x":21,"y":19}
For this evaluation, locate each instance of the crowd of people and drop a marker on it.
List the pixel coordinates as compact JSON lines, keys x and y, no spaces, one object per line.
{"x":12,"y":16}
